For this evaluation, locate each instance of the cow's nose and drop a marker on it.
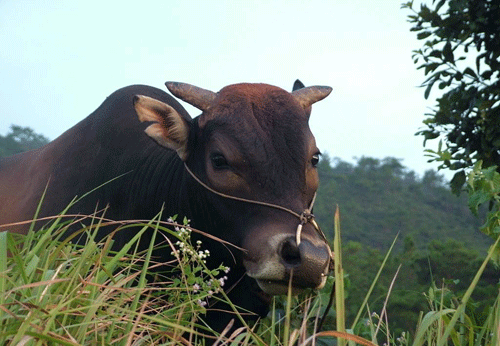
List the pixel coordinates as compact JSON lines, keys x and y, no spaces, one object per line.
{"x":308,"y":261}
{"x":290,"y":253}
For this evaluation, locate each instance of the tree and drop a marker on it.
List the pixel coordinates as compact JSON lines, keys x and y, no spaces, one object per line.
{"x":461,"y":55}
{"x":20,"y":139}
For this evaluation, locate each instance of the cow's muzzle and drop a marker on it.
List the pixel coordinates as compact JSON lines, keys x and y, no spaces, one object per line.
{"x":307,"y":265}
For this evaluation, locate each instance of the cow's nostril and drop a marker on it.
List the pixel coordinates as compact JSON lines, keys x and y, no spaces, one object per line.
{"x":290,"y":253}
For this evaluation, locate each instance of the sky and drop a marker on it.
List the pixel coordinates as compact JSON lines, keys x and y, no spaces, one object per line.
{"x":60,"y":59}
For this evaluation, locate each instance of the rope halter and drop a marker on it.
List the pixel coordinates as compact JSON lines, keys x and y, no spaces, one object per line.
{"x":305,"y":217}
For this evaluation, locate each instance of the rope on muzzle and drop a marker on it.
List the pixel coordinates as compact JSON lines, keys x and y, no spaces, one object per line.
{"x":305,"y":217}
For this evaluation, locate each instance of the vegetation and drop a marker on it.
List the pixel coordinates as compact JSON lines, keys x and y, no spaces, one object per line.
{"x":380,"y":198}
{"x":461,"y":55}
{"x":54,"y":292}
{"x":441,"y":246}
{"x":57,"y":293}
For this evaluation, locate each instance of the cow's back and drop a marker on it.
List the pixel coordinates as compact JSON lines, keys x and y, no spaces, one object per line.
{"x":108,"y":143}
{"x":21,"y":178}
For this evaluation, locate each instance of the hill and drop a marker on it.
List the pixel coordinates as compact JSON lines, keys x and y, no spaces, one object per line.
{"x":379,"y":198}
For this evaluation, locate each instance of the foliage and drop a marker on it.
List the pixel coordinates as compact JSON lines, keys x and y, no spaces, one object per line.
{"x":20,"y":139}
{"x":457,"y":303}
{"x":444,"y":268}
{"x":452,"y":318}
{"x":461,"y":54}
{"x":434,"y":257}
{"x":483,"y":186}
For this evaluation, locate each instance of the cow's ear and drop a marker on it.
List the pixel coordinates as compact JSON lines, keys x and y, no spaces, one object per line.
{"x":299,"y":85}
{"x":169,"y":128}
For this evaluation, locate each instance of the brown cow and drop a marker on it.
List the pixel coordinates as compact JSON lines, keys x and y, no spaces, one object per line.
{"x":251,"y":150}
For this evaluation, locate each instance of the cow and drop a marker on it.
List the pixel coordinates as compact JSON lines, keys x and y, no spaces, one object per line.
{"x":244,"y":171}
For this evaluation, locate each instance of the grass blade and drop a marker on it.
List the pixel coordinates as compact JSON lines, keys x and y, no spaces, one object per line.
{"x":370,"y":290}
{"x":339,"y":278}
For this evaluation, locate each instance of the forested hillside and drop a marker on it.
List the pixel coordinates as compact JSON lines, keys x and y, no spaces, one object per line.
{"x":439,"y":242}
{"x":20,"y":139}
{"x":379,"y":198}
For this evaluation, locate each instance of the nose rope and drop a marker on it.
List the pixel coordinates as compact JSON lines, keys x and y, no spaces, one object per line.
{"x":305,"y":217}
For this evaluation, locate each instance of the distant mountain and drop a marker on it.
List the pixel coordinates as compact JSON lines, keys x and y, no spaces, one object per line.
{"x":379,"y":198}
{"x":20,"y":139}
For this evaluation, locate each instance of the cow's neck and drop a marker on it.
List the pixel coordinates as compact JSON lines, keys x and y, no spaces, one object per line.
{"x":156,"y":182}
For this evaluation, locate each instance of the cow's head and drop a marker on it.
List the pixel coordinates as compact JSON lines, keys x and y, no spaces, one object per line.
{"x":252,"y":142}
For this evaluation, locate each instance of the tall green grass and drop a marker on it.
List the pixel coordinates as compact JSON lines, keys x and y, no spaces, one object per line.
{"x":55,"y":292}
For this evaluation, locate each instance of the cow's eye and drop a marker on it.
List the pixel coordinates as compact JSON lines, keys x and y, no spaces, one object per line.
{"x":219,"y":161}
{"x":315,"y":160}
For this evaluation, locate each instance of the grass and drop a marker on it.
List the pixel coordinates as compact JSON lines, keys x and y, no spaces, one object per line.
{"x":58,"y":292}
{"x":55,"y":292}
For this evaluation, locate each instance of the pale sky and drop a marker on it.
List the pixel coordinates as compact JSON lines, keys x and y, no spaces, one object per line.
{"x":60,"y":59}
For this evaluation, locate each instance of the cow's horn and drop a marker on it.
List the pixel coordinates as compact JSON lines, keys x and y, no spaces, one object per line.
{"x":309,"y":95}
{"x":197,"y":97}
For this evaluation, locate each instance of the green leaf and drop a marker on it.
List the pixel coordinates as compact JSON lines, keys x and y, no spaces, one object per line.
{"x":431,"y":67}
{"x":457,"y":182}
{"x":470,"y":72}
{"x":423,"y":35}
{"x":440,"y":4}
{"x":429,"y":87}
{"x":448,"y":53}
{"x":487,"y":74}
{"x":435,"y":53}
{"x":476,"y":199}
